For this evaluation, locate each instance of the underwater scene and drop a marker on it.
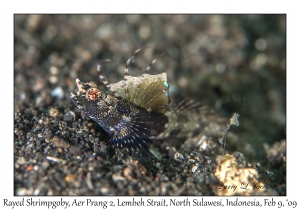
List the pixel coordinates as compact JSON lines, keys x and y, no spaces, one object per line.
{"x":150,"y":105}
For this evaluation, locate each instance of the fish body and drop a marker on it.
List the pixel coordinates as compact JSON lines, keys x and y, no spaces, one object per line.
{"x":127,"y":125}
{"x":137,"y":109}
{"x":131,"y":111}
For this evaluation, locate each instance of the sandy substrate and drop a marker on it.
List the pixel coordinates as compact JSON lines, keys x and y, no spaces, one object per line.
{"x":232,"y":63}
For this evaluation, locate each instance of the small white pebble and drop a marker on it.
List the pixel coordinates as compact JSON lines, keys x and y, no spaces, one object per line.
{"x":55,"y":159}
{"x":178,"y":157}
{"x":53,"y":79}
{"x":21,"y":191}
{"x":195,"y":168}
{"x":104,"y":190}
{"x":53,"y":70}
{"x":36,"y":192}
{"x":58,"y":92}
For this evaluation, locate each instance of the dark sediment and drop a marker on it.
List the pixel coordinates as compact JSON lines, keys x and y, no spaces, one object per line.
{"x":233,"y":63}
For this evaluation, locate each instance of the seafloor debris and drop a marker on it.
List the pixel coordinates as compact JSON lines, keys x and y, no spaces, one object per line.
{"x":235,"y":179}
{"x":234,"y":120}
